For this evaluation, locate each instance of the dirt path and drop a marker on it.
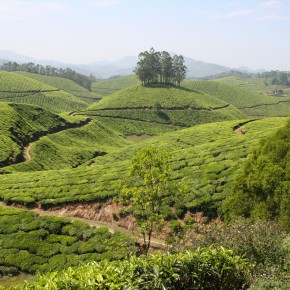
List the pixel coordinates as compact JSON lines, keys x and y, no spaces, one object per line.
{"x":27,"y":155}
{"x":157,"y":243}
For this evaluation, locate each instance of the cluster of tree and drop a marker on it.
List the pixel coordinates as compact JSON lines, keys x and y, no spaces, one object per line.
{"x":262,"y":189}
{"x":159,"y":67}
{"x":82,"y":80}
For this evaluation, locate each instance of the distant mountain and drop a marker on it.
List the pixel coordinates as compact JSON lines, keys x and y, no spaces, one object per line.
{"x":123,"y":67}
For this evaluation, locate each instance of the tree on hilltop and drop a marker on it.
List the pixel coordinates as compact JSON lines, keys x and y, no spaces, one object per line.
{"x":159,"y":67}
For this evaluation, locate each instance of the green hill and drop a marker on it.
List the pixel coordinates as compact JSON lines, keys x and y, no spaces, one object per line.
{"x":70,"y":148}
{"x":65,"y":85}
{"x":251,"y":103}
{"x":21,"y":124}
{"x":20,"y":89}
{"x":165,"y":106}
{"x":204,"y":159}
{"x":109,"y":86}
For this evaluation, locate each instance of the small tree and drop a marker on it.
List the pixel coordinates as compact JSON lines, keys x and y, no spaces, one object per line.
{"x":148,"y":191}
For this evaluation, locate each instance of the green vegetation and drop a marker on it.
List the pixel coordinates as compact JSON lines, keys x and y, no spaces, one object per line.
{"x":251,"y":103}
{"x":262,"y":243}
{"x":201,"y":269}
{"x":70,"y":148}
{"x":161,"y":105}
{"x":21,"y":124}
{"x":159,"y":67}
{"x":31,"y":243}
{"x":64,"y":84}
{"x":262,"y":188}
{"x":204,"y":159}
{"x":17,"y":88}
{"x":148,"y":193}
{"x":82,"y":80}
{"x":109,"y":86}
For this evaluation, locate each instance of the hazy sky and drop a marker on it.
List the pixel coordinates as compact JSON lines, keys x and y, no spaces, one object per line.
{"x":253,"y":33}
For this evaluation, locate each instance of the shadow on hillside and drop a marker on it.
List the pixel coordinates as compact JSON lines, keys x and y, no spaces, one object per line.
{"x":163,"y":115}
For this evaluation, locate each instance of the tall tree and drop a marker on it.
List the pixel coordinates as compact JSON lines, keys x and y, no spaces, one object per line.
{"x":154,"y":67}
{"x":179,"y":69}
{"x":148,"y":191}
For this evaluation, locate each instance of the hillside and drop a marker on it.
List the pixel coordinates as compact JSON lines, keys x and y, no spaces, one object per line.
{"x":18,"y":88}
{"x":249,"y":102}
{"x":165,"y":106}
{"x":69,"y":148}
{"x":21,"y":124}
{"x":203,"y":161}
{"x":65,"y":85}
{"x":109,"y":86}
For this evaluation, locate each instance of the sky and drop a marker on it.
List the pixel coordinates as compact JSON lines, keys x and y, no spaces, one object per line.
{"x":233,"y":33}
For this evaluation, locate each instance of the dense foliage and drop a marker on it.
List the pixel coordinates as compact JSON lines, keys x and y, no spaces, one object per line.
{"x":82,"y":80}
{"x":159,"y":67}
{"x":202,"y":269}
{"x":31,"y":243}
{"x":204,"y":159}
{"x":147,"y":190}
{"x":262,"y":188}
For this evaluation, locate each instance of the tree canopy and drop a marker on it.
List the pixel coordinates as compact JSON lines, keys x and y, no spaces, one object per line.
{"x":149,"y":191}
{"x":159,"y":67}
{"x":82,"y":80}
{"x":262,"y":188}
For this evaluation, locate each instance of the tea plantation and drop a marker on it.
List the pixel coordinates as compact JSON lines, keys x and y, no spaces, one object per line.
{"x":17,"y":88}
{"x":31,"y":243}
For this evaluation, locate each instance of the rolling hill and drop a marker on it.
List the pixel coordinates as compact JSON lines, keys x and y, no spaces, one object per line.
{"x":249,"y":102}
{"x":65,"y":85}
{"x":21,"y":124}
{"x":165,"y":106}
{"x":204,"y":159}
{"x":18,"y":88}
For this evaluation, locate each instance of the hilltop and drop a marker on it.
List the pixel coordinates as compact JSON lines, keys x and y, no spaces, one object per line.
{"x":168,"y":107}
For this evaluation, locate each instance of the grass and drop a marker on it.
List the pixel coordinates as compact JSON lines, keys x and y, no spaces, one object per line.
{"x":64,"y":84}
{"x":18,"y":88}
{"x":242,"y":99}
{"x":205,"y":159}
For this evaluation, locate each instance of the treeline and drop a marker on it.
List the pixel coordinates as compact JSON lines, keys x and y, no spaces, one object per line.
{"x":156,"y":67}
{"x":275,"y":77}
{"x":82,"y":80}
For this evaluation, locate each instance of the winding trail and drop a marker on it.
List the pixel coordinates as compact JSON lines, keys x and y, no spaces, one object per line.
{"x":27,"y":155}
{"x":155,"y":243}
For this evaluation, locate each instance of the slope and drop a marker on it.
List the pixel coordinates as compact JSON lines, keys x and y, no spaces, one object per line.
{"x":21,"y":124}
{"x":69,"y":148}
{"x":167,"y":107}
{"x":65,"y":85}
{"x":109,"y":86}
{"x":17,"y":88}
{"x":204,"y":159}
{"x":249,"y":102}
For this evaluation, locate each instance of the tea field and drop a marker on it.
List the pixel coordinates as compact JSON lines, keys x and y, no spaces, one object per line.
{"x":18,"y":88}
{"x":204,"y":159}
{"x":31,"y":243}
